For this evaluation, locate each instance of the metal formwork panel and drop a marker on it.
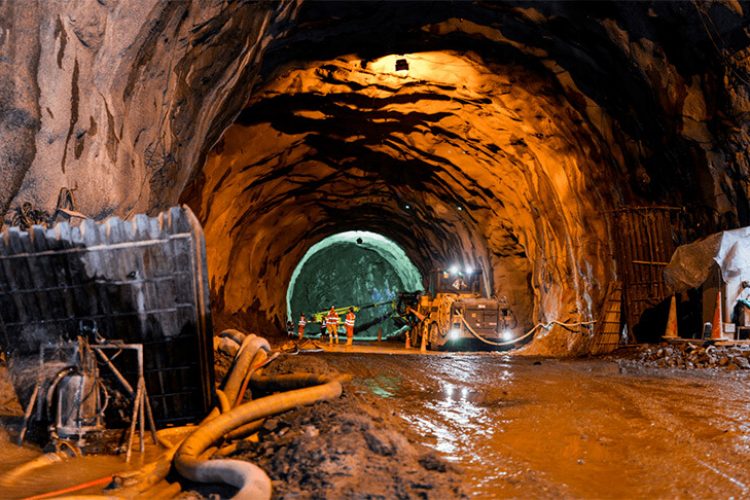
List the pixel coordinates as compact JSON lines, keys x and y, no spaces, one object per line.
{"x":644,"y":239}
{"x":141,"y":281}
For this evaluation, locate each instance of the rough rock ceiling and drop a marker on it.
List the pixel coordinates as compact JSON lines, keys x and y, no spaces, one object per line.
{"x":515,"y":127}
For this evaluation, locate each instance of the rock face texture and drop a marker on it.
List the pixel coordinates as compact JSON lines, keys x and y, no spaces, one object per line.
{"x":118,"y":100}
{"x":485,"y":134}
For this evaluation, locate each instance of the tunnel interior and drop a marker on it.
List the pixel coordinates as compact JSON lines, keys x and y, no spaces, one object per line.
{"x":491,"y":135}
{"x":354,"y":268}
{"x":478,"y":139}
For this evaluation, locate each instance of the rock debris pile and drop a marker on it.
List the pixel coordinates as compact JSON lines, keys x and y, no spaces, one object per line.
{"x":690,"y":356}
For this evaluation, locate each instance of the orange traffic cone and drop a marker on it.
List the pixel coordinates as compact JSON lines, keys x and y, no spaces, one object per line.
{"x":423,"y":346}
{"x":380,"y":334}
{"x":716,"y":327}
{"x":671,"y":331}
{"x":408,"y":339}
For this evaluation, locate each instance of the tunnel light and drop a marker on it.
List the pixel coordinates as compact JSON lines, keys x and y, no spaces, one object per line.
{"x":459,"y":208}
{"x":469,"y":269}
{"x":407,"y":206}
{"x":454,"y":333}
{"x":507,"y":335}
{"x":454,"y":269}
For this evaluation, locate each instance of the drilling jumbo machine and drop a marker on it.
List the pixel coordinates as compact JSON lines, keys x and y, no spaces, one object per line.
{"x":454,"y":312}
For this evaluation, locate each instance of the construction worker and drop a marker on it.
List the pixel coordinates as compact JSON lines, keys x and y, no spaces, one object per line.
{"x":301,"y":326}
{"x":332,"y":325}
{"x":349,"y":322}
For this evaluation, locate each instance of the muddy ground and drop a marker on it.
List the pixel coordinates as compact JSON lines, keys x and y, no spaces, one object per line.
{"x":352,"y":447}
{"x":490,"y":425}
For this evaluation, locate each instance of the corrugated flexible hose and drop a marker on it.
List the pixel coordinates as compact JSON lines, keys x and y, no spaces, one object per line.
{"x":252,"y":481}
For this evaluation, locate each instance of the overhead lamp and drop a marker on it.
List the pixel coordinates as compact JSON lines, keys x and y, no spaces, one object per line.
{"x":469,"y":269}
{"x":459,"y":208}
{"x":402,"y":65}
{"x":407,"y":206}
{"x":454,"y":269}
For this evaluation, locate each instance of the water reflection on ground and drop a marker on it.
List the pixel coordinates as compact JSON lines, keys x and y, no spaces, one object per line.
{"x":524,"y":427}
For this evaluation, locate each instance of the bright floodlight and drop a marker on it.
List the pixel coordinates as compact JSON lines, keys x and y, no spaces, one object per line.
{"x":469,"y":269}
{"x":507,"y":335}
{"x":454,"y":269}
{"x":454,"y":333}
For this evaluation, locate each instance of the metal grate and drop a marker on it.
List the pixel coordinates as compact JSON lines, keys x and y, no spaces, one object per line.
{"x":644,"y":239}
{"x":141,"y":281}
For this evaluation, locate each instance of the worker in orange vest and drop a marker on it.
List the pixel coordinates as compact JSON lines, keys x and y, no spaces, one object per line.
{"x":301,"y":326}
{"x":332,"y":325}
{"x":349,"y":322}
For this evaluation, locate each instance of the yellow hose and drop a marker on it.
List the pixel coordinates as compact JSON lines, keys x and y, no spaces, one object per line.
{"x":14,"y":474}
{"x":251,"y":480}
{"x":223,"y":401}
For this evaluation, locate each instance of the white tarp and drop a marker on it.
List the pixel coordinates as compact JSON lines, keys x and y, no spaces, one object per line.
{"x":690,"y":264}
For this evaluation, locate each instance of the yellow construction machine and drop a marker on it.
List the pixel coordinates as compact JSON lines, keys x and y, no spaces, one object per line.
{"x":454,"y":310}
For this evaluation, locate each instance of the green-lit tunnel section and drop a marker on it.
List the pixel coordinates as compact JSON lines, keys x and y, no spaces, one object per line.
{"x":353,"y":268}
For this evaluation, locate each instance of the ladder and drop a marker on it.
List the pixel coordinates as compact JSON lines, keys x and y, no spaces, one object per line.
{"x":607,"y":334}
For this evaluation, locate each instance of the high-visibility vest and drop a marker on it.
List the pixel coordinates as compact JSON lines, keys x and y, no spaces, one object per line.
{"x":349,"y":319}
{"x":332,"y":319}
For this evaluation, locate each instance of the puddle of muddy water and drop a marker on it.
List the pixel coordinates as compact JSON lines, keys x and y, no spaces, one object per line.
{"x":569,"y":428}
{"x":60,"y":475}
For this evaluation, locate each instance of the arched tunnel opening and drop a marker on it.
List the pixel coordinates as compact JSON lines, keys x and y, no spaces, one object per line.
{"x":356,"y":269}
{"x":458,"y":158}
{"x":175,"y":175}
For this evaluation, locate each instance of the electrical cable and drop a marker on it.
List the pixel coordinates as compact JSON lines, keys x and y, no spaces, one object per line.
{"x":546,"y":326}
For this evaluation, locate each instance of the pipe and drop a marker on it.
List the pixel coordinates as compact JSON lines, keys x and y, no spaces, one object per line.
{"x":235,"y":336}
{"x":244,"y":430}
{"x":249,"y":478}
{"x":14,"y":474}
{"x":152,"y":474}
{"x":223,"y":401}
{"x":262,"y":360}
{"x":249,"y":348}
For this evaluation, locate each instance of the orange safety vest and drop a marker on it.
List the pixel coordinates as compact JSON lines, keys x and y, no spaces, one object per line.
{"x":332,"y":318}
{"x":349,"y":319}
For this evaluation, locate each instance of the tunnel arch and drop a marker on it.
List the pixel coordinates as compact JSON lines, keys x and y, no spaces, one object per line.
{"x":507,"y":148}
{"x":366,"y":279}
{"x":456,"y":161}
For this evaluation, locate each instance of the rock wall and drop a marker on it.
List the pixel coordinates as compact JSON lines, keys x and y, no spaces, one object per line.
{"x":119,"y":100}
{"x":516,"y":125}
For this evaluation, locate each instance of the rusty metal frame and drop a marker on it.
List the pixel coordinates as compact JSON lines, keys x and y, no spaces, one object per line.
{"x":644,"y":239}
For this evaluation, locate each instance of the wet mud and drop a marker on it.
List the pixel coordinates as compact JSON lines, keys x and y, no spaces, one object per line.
{"x":487,"y":425}
{"x":521,"y":427}
{"x":351,"y":447}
